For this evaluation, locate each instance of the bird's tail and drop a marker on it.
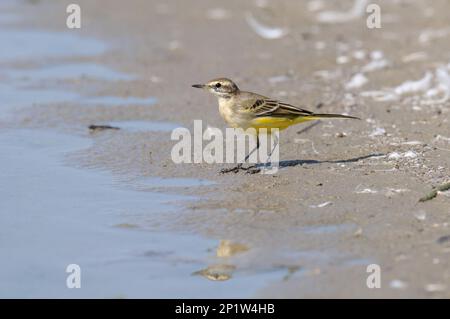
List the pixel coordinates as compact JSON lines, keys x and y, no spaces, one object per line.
{"x":335,"y":116}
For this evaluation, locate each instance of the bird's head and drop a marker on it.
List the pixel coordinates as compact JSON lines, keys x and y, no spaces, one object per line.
{"x":221,"y":87}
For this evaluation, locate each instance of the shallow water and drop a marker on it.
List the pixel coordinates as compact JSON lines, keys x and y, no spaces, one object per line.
{"x":24,"y":45}
{"x":173,"y":182}
{"x":69,"y":71}
{"x":47,"y":227}
{"x":144,"y":126}
{"x":117,"y":100}
{"x":54,"y":215}
{"x":8,"y":18}
{"x":13,"y":98}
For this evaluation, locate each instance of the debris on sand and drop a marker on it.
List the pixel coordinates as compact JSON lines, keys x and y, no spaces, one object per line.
{"x":97,"y":128}
{"x":315,"y":5}
{"x":442,"y":138}
{"x":265,"y":31}
{"x":410,"y":154}
{"x":420,"y":215}
{"x":218,"y":14}
{"x":435,"y":287}
{"x":435,"y":192}
{"x":380,"y":95}
{"x":433,"y":88}
{"x":357,"y":81}
{"x":440,"y":93}
{"x":377,"y":62}
{"x":415,"y":56}
{"x":355,"y":12}
{"x":366,"y":191}
{"x":415,"y":86}
{"x":220,"y":272}
{"x":443,"y":239}
{"x":398,"y":284}
{"x":378,"y":131}
{"x":325,"y":204}
{"x":291,"y":271}
{"x":427,"y":35}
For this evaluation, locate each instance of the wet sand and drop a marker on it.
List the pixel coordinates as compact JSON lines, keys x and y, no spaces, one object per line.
{"x":347,"y":193}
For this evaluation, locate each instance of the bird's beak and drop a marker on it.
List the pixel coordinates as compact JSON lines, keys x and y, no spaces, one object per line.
{"x":198,"y":86}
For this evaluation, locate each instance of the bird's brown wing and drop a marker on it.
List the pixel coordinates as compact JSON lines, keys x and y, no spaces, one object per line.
{"x":261,"y":106}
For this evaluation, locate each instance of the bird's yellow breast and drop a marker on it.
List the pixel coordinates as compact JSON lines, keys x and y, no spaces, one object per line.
{"x":280,"y":123}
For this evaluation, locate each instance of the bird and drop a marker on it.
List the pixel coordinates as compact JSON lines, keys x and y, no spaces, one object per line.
{"x":241,"y":109}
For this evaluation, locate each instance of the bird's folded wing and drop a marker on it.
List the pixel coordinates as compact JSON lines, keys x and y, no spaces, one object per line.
{"x":268,"y":107}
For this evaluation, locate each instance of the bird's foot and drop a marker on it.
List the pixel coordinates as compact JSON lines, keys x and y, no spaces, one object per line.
{"x":253,"y":170}
{"x":250,"y":170}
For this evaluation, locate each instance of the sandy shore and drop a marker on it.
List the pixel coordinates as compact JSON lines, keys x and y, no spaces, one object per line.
{"x":347,"y":193}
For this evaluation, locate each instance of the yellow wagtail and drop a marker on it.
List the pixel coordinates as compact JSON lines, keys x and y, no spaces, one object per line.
{"x":245,"y":110}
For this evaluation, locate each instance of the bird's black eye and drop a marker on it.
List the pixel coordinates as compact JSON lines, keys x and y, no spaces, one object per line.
{"x":218,"y":85}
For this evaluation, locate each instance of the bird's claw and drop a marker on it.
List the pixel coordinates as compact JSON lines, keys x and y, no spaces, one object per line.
{"x":253,"y":170}
{"x":229,"y":170}
{"x":250,"y":170}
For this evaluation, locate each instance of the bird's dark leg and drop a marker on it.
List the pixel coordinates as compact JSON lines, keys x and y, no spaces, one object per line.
{"x":239,"y":166}
{"x":268,"y":161}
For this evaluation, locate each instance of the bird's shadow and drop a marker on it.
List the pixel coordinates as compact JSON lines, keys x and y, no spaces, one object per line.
{"x":290,"y":163}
